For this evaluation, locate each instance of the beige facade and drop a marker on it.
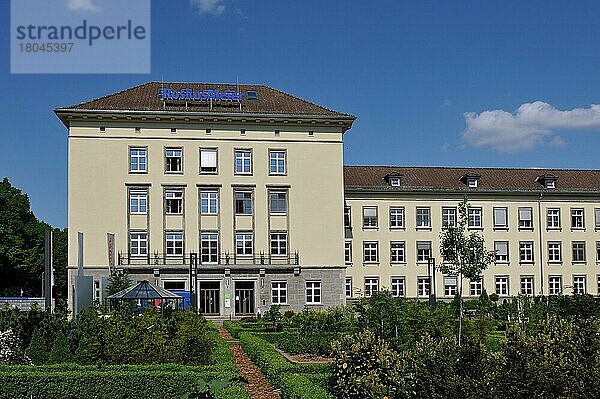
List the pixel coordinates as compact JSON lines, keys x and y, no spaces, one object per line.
{"x":550,"y":253}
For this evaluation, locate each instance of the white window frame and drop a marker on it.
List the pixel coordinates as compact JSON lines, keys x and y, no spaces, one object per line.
{"x":475,"y":217}
{"x":501,"y":257}
{"x":209,"y":200}
{"x":313,"y":293}
{"x":370,"y":217}
{"x":396,"y":217}
{"x":274,"y":198}
{"x":140,"y":238}
{"x":398,"y":287}
{"x":554,"y":285}
{"x":502,"y":285}
{"x":525,"y":218}
{"x":597,"y":217}
{"x":278,"y":240}
{"x":244,"y":200}
{"x":174,"y":243}
{"x":348,"y":287}
{"x":553,"y":218}
{"x":174,"y":196}
{"x":423,"y":251}
{"x":138,"y":203}
{"x":579,"y":284}
{"x":348,"y":252}
{"x":554,"y":251}
{"x":371,"y":286}
{"x":448,"y":217}
{"x":209,"y":164}
{"x":244,"y":243}
{"x":244,"y":157}
{"x":472,"y":182}
{"x":476,"y":287}
{"x":577,"y":219}
{"x":423,"y":220}
{"x":423,"y":287}
{"x":597,"y":251}
{"x":497,"y":212}
{"x":174,"y":153}
{"x":526,"y":252}
{"x":279,"y":293}
{"x":395,"y":181}
{"x":140,"y":154}
{"x":450,"y":286}
{"x":397,"y":252}
{"x":277,"y":162}
{"x":347,"y":217}
{"x":371,"y":252}
{"x":578,"y":254}
{"x":527,"y":285}
{"x":209,"y":247}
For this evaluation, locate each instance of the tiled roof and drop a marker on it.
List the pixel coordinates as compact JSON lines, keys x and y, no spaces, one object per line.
{"x":492,"y":179}
{"x":269,"y":101}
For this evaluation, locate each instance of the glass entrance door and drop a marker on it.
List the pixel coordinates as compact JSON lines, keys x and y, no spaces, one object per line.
{"x":209,"y":297}
{"x":244,"y":297}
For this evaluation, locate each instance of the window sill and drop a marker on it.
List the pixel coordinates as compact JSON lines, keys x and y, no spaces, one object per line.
{"x":423,"y":228}
{"x":402,"y":228}
{"x":208,"y":173}
{"x":313,"y":303}
{"x":209,"y":214}
{"x":370,"y":228}
{"x":243,"y":214}
{"x":398,"y":263}
{"x":179,"y":172}
{"x":502,"y":263}
{"x":277,"y":174}
{"x":476,"y":228}
{"x":555,"y":262}
{"x":174,"y":214}
{"x":242,"y":174}
{"x":579,"y":263}
{"x":527,"y":263}
{"x":553,"y":229}
{"x":422,"y":263}
{"x":370,"y":263}
{"x":525,"y":228}
{"x":577,"y":229}
{"x":139,"y":172}
{"x":500,"y":228}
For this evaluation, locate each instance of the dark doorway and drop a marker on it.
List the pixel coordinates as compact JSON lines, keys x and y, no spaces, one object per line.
{"x":209,"y":297}
{"x":244,"y":297}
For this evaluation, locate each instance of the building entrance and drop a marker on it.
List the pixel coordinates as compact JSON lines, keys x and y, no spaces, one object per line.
{"x":244,"y":297}
{"x":209,"y":297}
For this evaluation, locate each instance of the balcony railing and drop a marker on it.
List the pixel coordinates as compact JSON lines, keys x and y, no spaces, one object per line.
{"x":227,"y":258}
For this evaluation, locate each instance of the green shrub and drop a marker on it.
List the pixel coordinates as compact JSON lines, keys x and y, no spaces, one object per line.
{"x":60,"y":350}
{"x":192,"y":343}
{"x":37,"y":351}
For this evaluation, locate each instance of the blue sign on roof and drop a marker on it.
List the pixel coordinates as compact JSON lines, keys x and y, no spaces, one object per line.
{"x":188,"y":94}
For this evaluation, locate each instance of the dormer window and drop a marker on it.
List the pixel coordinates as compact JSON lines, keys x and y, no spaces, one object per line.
{"x":550,"y":183}
{"x":395,"y":181}
{"x":472,"y":182}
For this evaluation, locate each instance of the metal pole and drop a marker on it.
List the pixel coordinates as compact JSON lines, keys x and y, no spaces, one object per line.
{"x":431,"y":275}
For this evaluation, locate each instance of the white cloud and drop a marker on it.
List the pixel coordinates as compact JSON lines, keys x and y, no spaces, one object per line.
{"x":214,"y":7}
{"x":533,"y":124}
{"x":82,"y":5}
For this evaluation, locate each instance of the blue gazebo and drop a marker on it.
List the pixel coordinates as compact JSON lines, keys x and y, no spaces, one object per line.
{"x":146,"y":294}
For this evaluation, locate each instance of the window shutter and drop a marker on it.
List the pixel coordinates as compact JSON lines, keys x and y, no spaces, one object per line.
{"x":370,"y":212}
{"x":209,"y":159}
{"x":525,"y":213}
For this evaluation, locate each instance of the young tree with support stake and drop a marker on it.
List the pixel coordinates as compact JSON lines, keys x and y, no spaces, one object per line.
{"x":463,"y":254}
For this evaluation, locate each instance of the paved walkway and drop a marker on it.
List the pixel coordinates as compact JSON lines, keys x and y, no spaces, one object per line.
{"x":258,"y":385}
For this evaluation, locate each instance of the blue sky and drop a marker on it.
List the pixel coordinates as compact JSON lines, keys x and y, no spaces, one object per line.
{"x":463,"y":83}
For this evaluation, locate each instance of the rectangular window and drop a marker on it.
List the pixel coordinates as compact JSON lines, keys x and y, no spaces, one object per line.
{"x":526,"y":251}
{"x":371,"y":286}
{"x":553,"y":219}
{"x":398,"y":287}
{"x":208,"y":160}
{"x":279,"y":244}
{"x":278,"y":202}
{"x":397,"y":254}
{"x":370,"y":216}
{"x":577,"y":219}
{"x":527,"y":285}
{"x":554,"y":252}
{"x":501,"y":248}
{"x":555,"y":285}
{"x":423,"y":287}
{"x":597,"y":251}
{"x":209,"y":248}
{"x":578,"y":251}
{"x":597,"y":213}
{"x":423,"y":251}
{"x":173,"y":160}
{"x":96,"y":290}
{"x":579,"y":285}
{"x":138,"y":244}
{"x":138,"y":203}
{"x":475,"y":287}
{"x":502,"y":285}
{"x":348,"y":287}
{"x":243,"y":243}
{"x":475,"y":218}
{"x":448,"y":217}
{"x":277,"y":162}
{"x":243,"y":162}
{"x":423,"y":218}
{"x":138,"y":160}
{"x":370,"y":252}
{"x":313,"y":292}
{"x":209,"y":202}
{"x":348,"y":252}
{"x":173,"y":201}
{"x":347,"y":218}
{"x":279,"y":292}
{"x":525,"y":218}
{"x":450,"y":286}
{"x":243,"y":202}
{"x":396,"y":218}
{"x":174,"y":243}
{"x":174,"y":285}
{"x":500,"y":218}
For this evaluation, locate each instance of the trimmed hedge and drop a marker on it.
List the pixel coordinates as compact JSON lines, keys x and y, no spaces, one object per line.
{"x":295,"y":381}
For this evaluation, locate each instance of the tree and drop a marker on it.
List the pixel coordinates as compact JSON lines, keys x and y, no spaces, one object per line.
{"x":463,"y":254}
{"x":117,"y":281}
{"x":37,"y":351}
{"x":60,"y":350}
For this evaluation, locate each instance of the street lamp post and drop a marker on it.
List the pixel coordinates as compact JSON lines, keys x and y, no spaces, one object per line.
{"x":432,"y":289}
